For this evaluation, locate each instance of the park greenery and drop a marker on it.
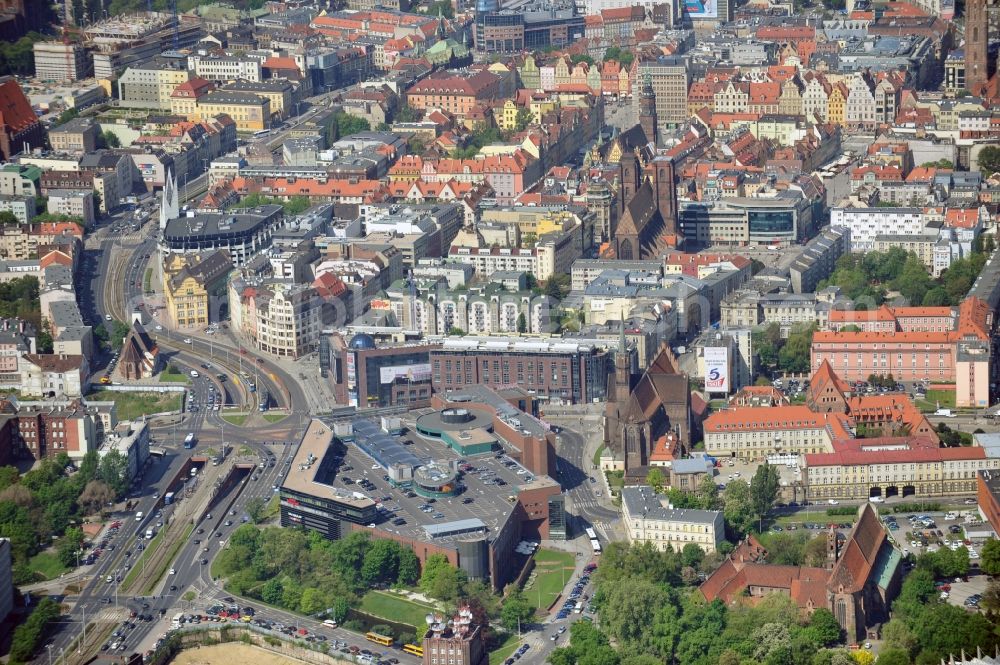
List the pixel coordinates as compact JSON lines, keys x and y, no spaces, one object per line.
{"x":47,"y":504}
{"x":480,"y":136}
{"x":348,"y":124}
{"x":989,"y":160}
{"x":108,"y":139}
{"x":20,"y":298}
{"x":295,"y":205}
{"x":789,"y":355}
{"x":303,"y":572}
{"x":115,"y":7}
{"x":868,"y":278}
{"x":623,"y":57}
{"x":926,"y":628}
{"x":652,"y":616}
{"x":743,"y":505}
{"x":18,"y":57}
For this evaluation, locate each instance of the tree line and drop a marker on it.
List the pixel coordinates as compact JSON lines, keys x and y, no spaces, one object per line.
{"x":867,"y":278}
{"x":29,"y":635}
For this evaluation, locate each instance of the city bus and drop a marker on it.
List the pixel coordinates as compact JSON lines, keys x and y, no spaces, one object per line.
{"x":591,"y":534}
{"x":189,"y":440}
{"x":379,"y":639}
{"x":594,"y":543}
{"x":260,"y":133}
{"x":413,"y":649}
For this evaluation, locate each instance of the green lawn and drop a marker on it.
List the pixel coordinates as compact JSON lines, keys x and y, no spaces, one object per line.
{"x":597,"y":457}
{"x":273,"y":508}
{"x":151,"y":547}
{"x":616,"y":480}
{"x":944,"y":398}
{"x":47,"y":565}
{"x":166,"y":376}
{"x":133,"y":405}
{"x":175,"y":547}
{"x":395,"y":608}
{"x":147,"y":279}
{"x":274,"y":417}
{"x":504,"y":650}
{"x":235,"y":418}
{"x":552,"y":571}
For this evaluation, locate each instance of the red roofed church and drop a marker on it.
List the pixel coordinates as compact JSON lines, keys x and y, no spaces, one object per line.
{"x":859,"y":580}
{"x":20,"y":129}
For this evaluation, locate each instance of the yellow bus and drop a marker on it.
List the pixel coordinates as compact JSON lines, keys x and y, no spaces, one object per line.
{"x":379,"y":639}
{"x":414,"y":649}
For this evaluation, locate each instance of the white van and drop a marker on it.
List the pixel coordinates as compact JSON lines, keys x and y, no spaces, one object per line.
{"x":330,"y":623}
{"x":138,"y":516}
{"x":194,"y":374}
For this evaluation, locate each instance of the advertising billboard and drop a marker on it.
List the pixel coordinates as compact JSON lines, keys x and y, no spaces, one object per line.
{"x":716,"y":369}
{"x":698,"y":9}
{"x":418,"y":372}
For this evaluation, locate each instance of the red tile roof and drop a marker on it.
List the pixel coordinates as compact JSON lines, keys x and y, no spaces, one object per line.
{"x":962,"y":218}
{"x":275,"y":62}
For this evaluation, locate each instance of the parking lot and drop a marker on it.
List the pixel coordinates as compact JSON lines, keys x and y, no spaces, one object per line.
{"x":959,"y":591}
{"x":487,"y":482}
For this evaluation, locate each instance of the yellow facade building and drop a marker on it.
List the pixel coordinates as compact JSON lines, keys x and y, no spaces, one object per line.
{"x":249,"y":111}
{"x":194,"y":286}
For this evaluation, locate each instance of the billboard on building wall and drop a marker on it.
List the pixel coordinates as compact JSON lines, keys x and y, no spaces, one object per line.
{"x":716,"y":369}
{"x":697,"y":9}
{"x":418,"y":372}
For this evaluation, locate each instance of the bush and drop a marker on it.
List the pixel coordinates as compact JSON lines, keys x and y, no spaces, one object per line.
{"x":354,"y":625}
{"x":916,"y":508}
{"x":383,"y":629}
{"x":842,"y":510}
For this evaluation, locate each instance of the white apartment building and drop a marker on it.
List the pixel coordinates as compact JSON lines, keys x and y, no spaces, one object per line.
{"x":867,"y":224}
{"x":649,"y":519}
{"x":225,"y":68}
{"x":22,"y":207}
{"x":73,"y":202}
{"x":488,"y":260}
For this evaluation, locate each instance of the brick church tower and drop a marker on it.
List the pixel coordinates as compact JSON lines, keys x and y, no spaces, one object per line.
{"x":977,"y":69}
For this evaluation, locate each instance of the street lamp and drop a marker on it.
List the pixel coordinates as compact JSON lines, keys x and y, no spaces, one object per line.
{"x":80,"y":646}
{"x":49,"y":648}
